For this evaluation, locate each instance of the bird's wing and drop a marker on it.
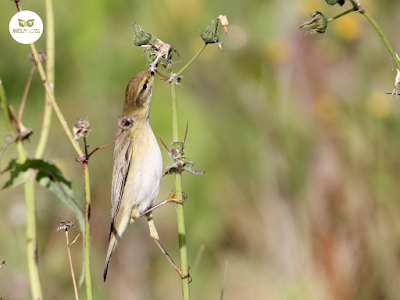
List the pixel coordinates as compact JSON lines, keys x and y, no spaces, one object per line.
{"x":122,"y":159}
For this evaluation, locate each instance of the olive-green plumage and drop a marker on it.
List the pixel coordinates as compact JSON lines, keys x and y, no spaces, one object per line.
{"x":138,"y":163}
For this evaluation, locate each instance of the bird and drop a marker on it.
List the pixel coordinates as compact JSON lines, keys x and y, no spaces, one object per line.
{"x":137,"y":163}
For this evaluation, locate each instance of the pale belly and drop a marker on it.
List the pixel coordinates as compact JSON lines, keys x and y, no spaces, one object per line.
{"x":144,"y":177}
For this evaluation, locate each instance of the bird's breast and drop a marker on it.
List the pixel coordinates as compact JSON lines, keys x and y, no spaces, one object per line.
{"x":145,"y":172}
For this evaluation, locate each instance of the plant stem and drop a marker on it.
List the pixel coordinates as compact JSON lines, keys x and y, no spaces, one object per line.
{"x":88,"y":273}
{"x":379,"y":30}
{"x":179,"y":206}
{"x":355,"y":5}
{"x":31,"y":238}
{"x":28,"y":84}
{"x":384,"y":38}
{"x":341,"y":15}
{"x":86,"y":170}
{"x":72,"y":268}
{"x":54,"y":103}
{"x":50,"y":44}
{"x":189,"y":63}
{"x":223,"y":281}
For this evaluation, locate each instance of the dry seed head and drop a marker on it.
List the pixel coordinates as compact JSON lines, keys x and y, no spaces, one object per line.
{"x":25,"y":133}
{"x":64,"y":225}
{"x":81,"y":129}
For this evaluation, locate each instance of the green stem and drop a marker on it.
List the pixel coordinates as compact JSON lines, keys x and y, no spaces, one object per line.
{"x":54,"y":103}
{"x":383,"y":36}
{"x":189,"y":63}
{"x":341,"y":15}
{"x":179,"y":207}
{"x":50,"y":44}
{"x":31,"y":238}
{"x":379,"y":30}
{"x":88,"y":273}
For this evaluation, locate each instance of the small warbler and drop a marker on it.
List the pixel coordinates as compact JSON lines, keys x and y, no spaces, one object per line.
{"x":138,"y":164}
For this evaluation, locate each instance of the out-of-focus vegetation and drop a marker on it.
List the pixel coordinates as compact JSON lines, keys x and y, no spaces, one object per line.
{"x":299,"y":142}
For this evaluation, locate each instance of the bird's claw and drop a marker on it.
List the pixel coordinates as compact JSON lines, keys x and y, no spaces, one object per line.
{"x":172,"y":197}
{"x":185,"y":276}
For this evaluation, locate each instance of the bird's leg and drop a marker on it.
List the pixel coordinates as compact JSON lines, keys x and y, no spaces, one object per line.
{"x":171,"y":199}
{"x":156,"y":239}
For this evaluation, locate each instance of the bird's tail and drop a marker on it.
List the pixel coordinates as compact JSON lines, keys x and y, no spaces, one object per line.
{"x":116,"y":232}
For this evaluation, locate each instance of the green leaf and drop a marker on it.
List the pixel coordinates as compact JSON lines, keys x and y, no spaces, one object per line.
{"x":10,"y":166}
{"x":49,"y":176}
{"x":19,"y":174}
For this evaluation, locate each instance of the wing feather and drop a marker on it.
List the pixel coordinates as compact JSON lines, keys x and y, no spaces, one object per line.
{"x":122,"y":158}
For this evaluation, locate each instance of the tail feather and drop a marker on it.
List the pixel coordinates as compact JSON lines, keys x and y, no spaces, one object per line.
{"x":111,"y":247}
{"x":117,"y":229}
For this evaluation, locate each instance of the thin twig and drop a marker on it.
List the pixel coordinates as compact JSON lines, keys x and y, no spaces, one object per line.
{"x":86,"y":158}
{"x":223,"y":281}
{"x":28,"y":84}
{"x":72,"y":268}
{"x":342,"y":14}
{"x":378,"y":29}
{"x":192,"y":60}
{"x":50,"y":71}
{"x":17,"y":4}
{"x":54,"y":103}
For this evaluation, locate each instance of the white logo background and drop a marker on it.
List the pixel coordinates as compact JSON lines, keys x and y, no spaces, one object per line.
{"x":30,"y":33}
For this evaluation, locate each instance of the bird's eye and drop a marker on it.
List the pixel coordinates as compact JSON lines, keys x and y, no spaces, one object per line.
{"x":144,"y":87}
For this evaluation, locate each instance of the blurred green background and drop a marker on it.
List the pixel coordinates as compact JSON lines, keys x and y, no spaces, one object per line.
{"x":299,"y":142}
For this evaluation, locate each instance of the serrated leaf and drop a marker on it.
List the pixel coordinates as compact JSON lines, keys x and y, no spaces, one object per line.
{"x":10,"y":166}
{"x":18,"y":175}
{"x":49,"y":176}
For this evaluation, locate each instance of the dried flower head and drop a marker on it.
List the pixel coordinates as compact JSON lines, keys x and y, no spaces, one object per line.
{"x":81,"y":129}
{"x":25,"y":133}
{"x":224,"y":22}
{"x":125,"y":123}
{"x":42,"y":56}
{"x":317,"y":24}
{"x":64,"y":225}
